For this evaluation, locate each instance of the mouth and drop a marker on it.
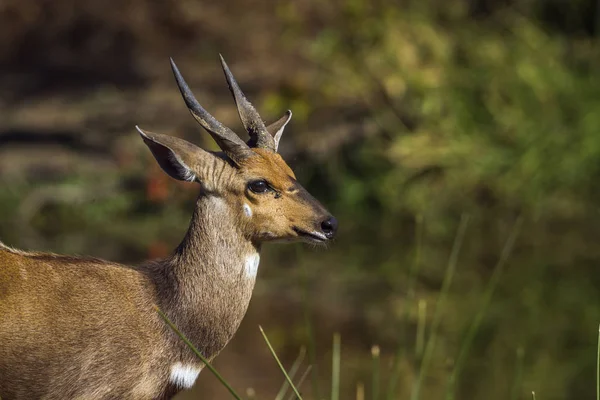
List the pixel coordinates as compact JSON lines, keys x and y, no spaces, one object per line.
{"x":314,"y":236}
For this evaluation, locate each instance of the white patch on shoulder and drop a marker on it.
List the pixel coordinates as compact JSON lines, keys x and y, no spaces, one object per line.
{"x":184,"y":376}
{"x":247,"y":210}
{"x":251,"y":265}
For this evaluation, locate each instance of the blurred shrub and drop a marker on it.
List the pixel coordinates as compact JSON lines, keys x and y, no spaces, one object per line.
{"x":474,"y":113}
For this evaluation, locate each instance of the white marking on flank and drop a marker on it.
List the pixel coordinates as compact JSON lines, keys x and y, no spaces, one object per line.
{"x":184,"y":375}
{"x":247,"y":210}
{"x":251,"y":265}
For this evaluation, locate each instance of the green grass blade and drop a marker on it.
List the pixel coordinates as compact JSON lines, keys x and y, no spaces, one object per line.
{"x":429,"y":347}
{"x":300,"y":382}
{"x":293,"y":370}
{"x":410,"y":294}
{"x":487,"y":298}
{"x":533,"y":395}
{"x":360,"y":391}
{"x":375,"y":352}
{"x":516,"y":390}
{"x":598,"y":368}
{"x":287,"y":377}
{"x":421,"y":322}
{"x":335,"y":368}
{"x":414,"y":270}
{"x":312,"y":345}
{"x":200,"y":356}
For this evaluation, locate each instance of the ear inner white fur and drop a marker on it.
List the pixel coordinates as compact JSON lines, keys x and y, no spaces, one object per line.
{"x":277,"y":136}
{"x":168,"y":159}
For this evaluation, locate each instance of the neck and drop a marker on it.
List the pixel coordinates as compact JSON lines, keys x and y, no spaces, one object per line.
{"x":208,"y":282}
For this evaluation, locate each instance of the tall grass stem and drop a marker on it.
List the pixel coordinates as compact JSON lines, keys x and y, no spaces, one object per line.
{"x":484,"y":304}
{"x":300,"y":382}
{"x":360,"y":391}
{"x":335,"y":367}
{"x":410,"y":294}
{"x":449,"y":275}
{"x":312,"y":345}
{"x":516,"y":390}
{"x":375,"y":353}
{"x":421,"y":323}
{"x":598,"y":367}
{"x":287,"y":377}
{"x":293,"y":370}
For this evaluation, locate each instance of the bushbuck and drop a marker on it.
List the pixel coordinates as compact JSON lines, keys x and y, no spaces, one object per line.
{"x":85,"y":328}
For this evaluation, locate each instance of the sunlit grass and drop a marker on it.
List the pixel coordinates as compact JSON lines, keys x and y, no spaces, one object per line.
{"x":375,"y":354}
{"x":335,"y":367}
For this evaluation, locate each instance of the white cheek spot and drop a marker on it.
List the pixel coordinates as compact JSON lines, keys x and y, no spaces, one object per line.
{"x":184,"y":376}
{"x":251,"y":265}
{"x":247,"y":210}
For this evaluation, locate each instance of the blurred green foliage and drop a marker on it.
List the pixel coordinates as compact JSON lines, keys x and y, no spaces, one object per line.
{"x":495,"y":116}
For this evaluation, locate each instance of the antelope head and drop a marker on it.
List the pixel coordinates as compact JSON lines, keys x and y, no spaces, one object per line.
{"x":251,"y":177}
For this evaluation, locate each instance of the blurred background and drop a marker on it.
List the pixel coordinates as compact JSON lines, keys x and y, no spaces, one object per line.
{"x":456,"y":141}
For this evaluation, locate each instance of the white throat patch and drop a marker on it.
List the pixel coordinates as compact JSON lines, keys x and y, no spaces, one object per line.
{"x":184,"y":376}
{"x":251,"y":265}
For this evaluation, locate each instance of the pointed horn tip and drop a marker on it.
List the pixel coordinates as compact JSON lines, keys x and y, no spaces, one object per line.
{"x":226,"y":69}
{"x":174,"y":66}
{"x":186,"y":92}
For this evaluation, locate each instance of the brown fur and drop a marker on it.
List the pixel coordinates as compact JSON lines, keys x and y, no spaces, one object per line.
{"x":83,"y":328}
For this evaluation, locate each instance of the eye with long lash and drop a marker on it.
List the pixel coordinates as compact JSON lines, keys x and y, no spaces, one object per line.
{"x":259,"y":186}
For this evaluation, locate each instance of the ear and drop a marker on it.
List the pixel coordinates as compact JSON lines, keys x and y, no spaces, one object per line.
{"x":277,"y":127}
{"x":177,"y":157}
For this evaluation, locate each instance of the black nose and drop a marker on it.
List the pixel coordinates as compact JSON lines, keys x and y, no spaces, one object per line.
{"x":329,"y":227}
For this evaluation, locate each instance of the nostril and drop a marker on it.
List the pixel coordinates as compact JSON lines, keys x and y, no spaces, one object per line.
{"x":329,"y":227}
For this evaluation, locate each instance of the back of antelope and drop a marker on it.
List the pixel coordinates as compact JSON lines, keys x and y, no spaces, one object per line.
{"x":85,"y":328}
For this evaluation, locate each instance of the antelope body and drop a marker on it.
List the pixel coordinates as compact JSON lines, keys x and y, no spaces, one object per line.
{"x":84,"y":328}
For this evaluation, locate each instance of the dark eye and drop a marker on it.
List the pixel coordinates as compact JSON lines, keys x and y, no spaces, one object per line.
{"x":258,"y":186}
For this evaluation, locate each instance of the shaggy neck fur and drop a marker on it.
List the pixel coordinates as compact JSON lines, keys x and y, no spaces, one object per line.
{"x":205,"y":284}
